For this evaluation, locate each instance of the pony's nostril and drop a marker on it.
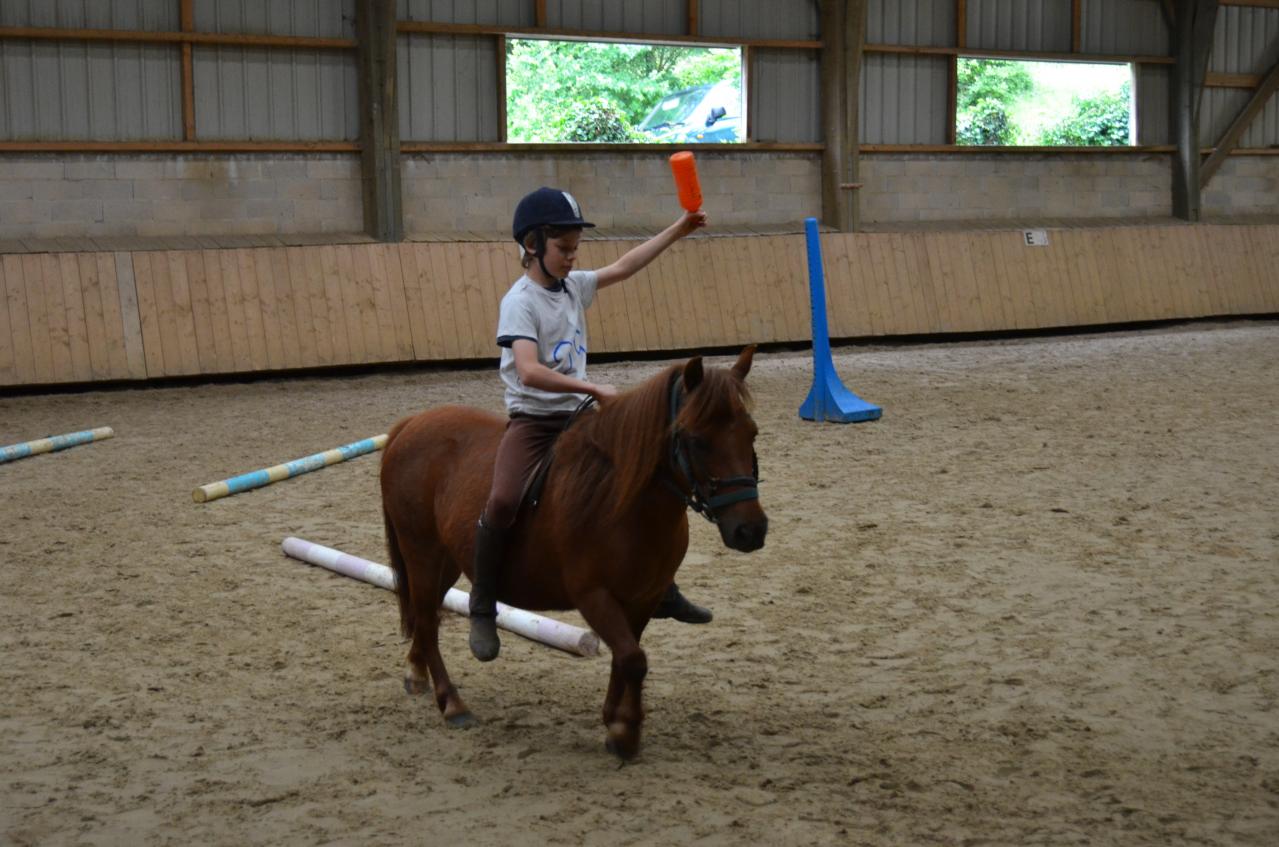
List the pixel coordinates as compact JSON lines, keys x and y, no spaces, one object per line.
{"x":751,"y":536}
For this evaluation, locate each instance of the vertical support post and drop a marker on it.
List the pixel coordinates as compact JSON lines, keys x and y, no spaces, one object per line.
{"x":828,"y":399}
{"x":1076,"y":28}
{"x":843,"y":32}
{"x":186,"y":17}
{"x":748,"y":86}
{"x":952,"y":97}
{"x":379,"y":120}
{"x":1195,"y":21}
{"x":501,"y":88}
{"x":539,"y":14}
{"x":694,"y":14}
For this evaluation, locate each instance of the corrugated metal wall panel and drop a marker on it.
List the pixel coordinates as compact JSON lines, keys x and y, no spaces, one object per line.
{"x":648,"y":17}
{"x":1264,"y":131}
{"x":1154,"y":87}
{"x":152,"y":15}
{"x":98,"y":92}
{"x":1134,"y":27}
{"x":785,"y":97}
{"x":925,"y":23}
{"x":1019,"y":24}
{"x":283,"y":95}
{"x":312,"y":18}
{"x":488,"y":12}
{"x":447,"y":88}
{"x":1246,"y":40}
{"x":903,"y":99}
{"x":1218,"y":110}
{"x":759,"y":18}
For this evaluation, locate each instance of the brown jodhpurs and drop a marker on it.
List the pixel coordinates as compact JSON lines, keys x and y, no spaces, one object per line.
{"x":525,"y":442}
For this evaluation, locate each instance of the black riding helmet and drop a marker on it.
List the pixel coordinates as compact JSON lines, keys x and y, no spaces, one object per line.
{"x":542,"y":208}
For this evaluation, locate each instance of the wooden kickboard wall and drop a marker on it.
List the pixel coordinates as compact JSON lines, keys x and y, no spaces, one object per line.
{"x":89,"y":317}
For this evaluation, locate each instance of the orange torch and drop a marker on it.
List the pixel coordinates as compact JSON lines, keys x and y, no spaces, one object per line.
{"x":690,"y":190}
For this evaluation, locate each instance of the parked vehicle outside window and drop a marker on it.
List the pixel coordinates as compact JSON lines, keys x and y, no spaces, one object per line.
{"x":704,"y":114}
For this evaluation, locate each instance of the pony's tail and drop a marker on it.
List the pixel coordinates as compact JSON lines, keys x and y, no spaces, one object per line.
{"x":408,"y":621}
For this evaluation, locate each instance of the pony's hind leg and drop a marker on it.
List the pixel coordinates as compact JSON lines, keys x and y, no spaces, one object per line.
{"x":425,"y":659}
{"x":426,"y":670}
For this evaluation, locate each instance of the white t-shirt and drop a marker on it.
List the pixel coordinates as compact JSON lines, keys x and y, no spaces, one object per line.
{"x":556,"y":321}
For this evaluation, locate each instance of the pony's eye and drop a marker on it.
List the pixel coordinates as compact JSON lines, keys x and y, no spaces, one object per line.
{"x":698,"y":443}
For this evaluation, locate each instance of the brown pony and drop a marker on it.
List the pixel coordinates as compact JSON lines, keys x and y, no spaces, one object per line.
{"x":608,"y":534}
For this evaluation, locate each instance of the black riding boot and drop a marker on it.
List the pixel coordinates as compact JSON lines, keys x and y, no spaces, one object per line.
{"x":676,"y":605}
{"x":490,"y":548}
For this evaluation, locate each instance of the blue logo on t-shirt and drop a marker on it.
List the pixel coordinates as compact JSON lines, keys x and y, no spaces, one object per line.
{"x":574,"y":347}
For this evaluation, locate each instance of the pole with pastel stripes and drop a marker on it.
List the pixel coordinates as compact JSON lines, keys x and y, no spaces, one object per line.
{"x":52,"y":443}
{"x":266,"y":476}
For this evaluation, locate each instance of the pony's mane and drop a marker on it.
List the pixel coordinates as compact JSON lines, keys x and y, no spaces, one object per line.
{"x":609,"y":457}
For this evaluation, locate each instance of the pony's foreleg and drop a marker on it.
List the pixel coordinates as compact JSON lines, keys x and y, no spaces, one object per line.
{"x":623,"y":704}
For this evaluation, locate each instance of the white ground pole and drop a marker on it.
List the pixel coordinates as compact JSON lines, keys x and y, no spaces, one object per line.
{"x":572,"y":639}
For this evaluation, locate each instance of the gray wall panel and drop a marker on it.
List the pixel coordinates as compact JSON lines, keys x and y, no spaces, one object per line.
{"x":1219,"y":108}
{"x":759,"y":18}
{"x":282,"y":95}
{"x":153,"y":15}
{"x":649,"y":17}
{"x":785,"y":99}
{"x":1133,"y":27}
{"x":1246,"y":40}
{"x":1154,"y":87}
{"x":1264,"y":131}
{"x":312,"y":18}
{"x":447,"y":88}
{"x":98,"y":92}
{"x":1019,"y":24}
{"x":903,"y":99}
{"x":488,"y":12}
{"x":925,"y":23}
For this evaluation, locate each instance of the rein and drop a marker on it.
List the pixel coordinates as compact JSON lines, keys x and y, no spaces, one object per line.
{"x":704,"y":496}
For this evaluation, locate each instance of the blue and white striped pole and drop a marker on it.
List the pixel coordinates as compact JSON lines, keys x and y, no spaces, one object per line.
{"x":53,"y":443}
{"x":828,"y":400}
{"x":266,"y":476}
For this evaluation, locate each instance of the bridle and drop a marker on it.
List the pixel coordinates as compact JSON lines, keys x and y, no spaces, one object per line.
{"x":704,"y":496}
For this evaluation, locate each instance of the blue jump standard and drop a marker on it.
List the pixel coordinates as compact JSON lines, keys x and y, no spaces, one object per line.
{"x":828,"y":400}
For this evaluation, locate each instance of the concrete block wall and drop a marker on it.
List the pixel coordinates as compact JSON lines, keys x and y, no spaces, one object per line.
{"x":77,"y":196}
{"x":915,"y":188}
{"x":461,"y":192}
{"x":912,"y":188}
{"x":1245,"y":185}
{"x":59,"y":195}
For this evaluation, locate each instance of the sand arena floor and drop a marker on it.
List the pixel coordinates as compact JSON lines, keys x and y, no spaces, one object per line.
{"x":1035,"y":604}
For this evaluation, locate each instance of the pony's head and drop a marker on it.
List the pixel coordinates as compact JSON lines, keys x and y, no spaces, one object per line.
{"x":713,"y":449}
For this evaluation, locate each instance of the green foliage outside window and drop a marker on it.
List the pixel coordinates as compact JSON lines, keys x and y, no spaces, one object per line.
{"x":986,"y":92}
{"x":586,"y":91}
{"x":1095,"y":121}
{"x":1010,"y":103}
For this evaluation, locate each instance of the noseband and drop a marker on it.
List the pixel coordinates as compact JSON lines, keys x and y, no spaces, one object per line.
{"x":705,"y":497}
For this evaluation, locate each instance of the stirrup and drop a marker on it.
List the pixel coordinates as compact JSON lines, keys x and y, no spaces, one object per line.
{"x":678,"y":607}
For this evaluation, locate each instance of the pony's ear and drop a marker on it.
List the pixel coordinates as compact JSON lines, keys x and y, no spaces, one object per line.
{"x":693,"y":373}
{"x":743,"y":365}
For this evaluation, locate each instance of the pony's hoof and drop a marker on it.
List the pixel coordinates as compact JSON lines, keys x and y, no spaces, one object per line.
{"x":416,"y":687}
{"x":464,"y":720}
{"x":621,"y":743}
